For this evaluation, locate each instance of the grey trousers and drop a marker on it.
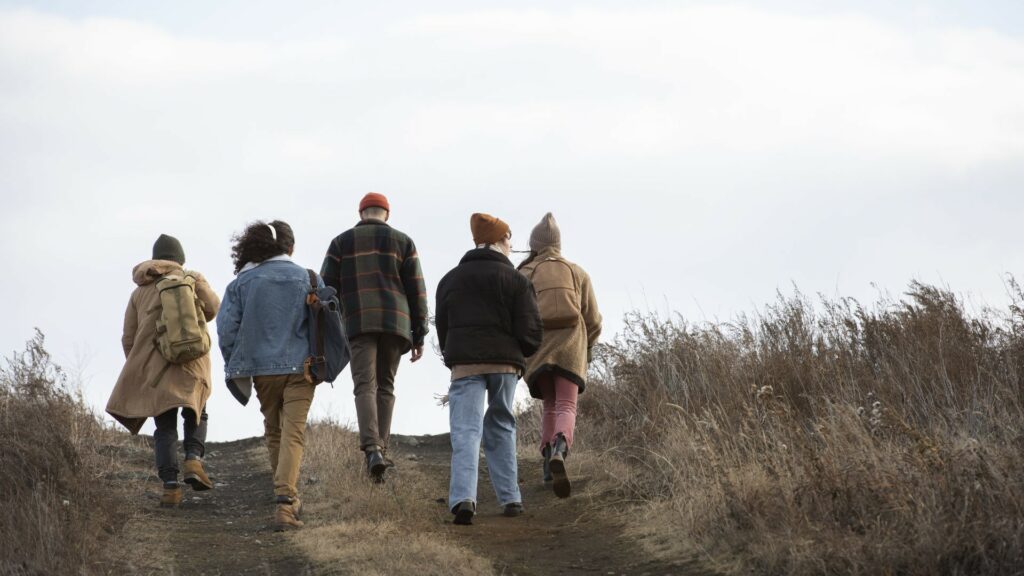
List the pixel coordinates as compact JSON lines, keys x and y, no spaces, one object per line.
{"x":374,"y":364}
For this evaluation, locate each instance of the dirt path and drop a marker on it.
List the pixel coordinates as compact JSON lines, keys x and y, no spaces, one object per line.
{"x":553,"y":536}
{"x":223,"y":531}
{"x":229,"y":530}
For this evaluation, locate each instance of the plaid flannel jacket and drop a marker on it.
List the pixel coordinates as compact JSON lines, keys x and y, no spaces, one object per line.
{"x":377,"y":274}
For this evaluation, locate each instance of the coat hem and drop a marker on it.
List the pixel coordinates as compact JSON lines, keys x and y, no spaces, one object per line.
{"x":532,"y":377}
{"x":135,"y":423}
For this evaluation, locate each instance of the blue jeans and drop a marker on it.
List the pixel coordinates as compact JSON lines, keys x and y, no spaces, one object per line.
{"x":497,"y":427}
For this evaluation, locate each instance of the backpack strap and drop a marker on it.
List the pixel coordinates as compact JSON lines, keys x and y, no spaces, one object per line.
{"x":321,"y":329}
{"x":312,"y":280}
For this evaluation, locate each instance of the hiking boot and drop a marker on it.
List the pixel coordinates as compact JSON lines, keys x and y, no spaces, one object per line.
{"x":286,"y":519}
{"x":560,"y":480}
{"x":546,"y":451}
{"x":464,"y":512}
{"x":513,"y":509}
{"x":171,"y":497}
{"x":195,"y":476}
{"x":375,"y":465}
{"x":294,"y":501}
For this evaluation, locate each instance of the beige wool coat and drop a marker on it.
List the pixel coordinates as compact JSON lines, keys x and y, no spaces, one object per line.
{"x":144,"y":388}
{"x":566,"y":351}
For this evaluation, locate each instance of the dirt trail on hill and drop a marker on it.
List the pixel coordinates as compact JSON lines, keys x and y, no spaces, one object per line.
{"x":553,"y":536}
{"x":229,"y":530}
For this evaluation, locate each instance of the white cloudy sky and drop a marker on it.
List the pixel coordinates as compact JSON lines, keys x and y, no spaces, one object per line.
{"x":698,"y":155}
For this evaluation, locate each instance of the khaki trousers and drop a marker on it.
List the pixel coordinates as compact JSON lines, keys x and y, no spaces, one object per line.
{"x":374,"y":364}
{"x":284,"y":401}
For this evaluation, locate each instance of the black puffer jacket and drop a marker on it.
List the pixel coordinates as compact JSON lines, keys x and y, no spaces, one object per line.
{"x":487,"y":312}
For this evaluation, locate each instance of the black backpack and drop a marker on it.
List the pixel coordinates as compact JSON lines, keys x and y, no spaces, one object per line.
{"x":328,"y":346}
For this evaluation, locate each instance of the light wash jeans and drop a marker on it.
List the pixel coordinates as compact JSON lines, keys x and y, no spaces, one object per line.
{"x":497,"y":427}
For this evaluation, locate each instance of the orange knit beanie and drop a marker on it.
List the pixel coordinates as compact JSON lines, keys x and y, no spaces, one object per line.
{"x":374,"y":200}
{"x":487,"y":229}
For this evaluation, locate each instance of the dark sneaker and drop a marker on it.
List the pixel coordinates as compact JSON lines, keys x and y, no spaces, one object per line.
{"x":513,"y":509}
{"x":464,"y":512}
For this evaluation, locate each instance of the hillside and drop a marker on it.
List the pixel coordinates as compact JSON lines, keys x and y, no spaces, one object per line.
{"x":811,"y":437}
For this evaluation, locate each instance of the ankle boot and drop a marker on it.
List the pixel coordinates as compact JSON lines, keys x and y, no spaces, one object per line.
{"x":286,"y":519}
{"x":546,"y":451}
{"x":560,"y":449}
{"x":195,"y":476}
{"x":294,"y":501}
{"x":171,"y":497}
{"x":375,"y":465}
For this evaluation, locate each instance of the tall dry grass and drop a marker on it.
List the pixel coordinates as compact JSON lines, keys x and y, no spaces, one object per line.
{"x":56,"y":513}
{"x":820,"y":437}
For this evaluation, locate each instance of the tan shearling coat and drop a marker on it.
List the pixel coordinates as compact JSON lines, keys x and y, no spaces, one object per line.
{"x":566,"y":350}
{"x":145,"y":388}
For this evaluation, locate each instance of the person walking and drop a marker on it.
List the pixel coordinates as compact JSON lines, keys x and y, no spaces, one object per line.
{"x":557,"y":372}
{"x":150,"y":385}
{"x":264,"y":336}
{"x":487,"y":324}
{"x":376,"y":272}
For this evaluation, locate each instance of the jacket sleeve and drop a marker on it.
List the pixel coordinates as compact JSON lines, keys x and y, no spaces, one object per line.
{"x":416,"y":294}
{"x":441,"y":316}
{"x":330,"y":270}
{"x":228,"y":322}
{"x":526,"y":323}
{"x":209,"y":298}
{"x":591,"y":315}
{"x":131,"y":326}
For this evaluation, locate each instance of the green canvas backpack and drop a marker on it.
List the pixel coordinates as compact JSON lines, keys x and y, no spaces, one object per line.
{"x":181,"y":334}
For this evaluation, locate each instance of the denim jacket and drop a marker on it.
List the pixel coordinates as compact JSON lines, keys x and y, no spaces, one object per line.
{"x":262,"y":325}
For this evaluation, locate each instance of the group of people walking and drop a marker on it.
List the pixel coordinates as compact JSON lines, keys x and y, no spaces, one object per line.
{"x":495,"y":324}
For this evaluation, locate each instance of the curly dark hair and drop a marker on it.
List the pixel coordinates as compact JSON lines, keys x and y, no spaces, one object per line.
{"x":256,"y":243}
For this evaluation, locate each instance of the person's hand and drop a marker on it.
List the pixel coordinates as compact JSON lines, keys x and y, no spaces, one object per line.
{"x":417,"y":353}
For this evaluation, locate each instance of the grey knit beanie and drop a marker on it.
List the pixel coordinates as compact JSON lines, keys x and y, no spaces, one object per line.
{"x":546,"y":234}
{"x":168,"y":248}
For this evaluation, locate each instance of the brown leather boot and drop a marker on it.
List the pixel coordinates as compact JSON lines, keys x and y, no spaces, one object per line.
{"x":171,"y":497}
{"x":285,"y":518}
{"x":195,"y":476}
{"x":294,"y":501}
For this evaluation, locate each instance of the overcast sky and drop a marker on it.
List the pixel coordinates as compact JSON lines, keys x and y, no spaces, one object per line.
{"x":698,"y":156}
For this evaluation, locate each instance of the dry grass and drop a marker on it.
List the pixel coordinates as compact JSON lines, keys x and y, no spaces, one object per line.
{"x":58,"y":514}
{"x":361,"y":528}
{"x":820,"y":438}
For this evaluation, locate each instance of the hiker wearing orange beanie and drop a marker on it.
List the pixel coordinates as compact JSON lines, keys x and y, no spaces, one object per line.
{"x":487,"y":323}
{"x":376,"y":271}
{"x":557,"y":372}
